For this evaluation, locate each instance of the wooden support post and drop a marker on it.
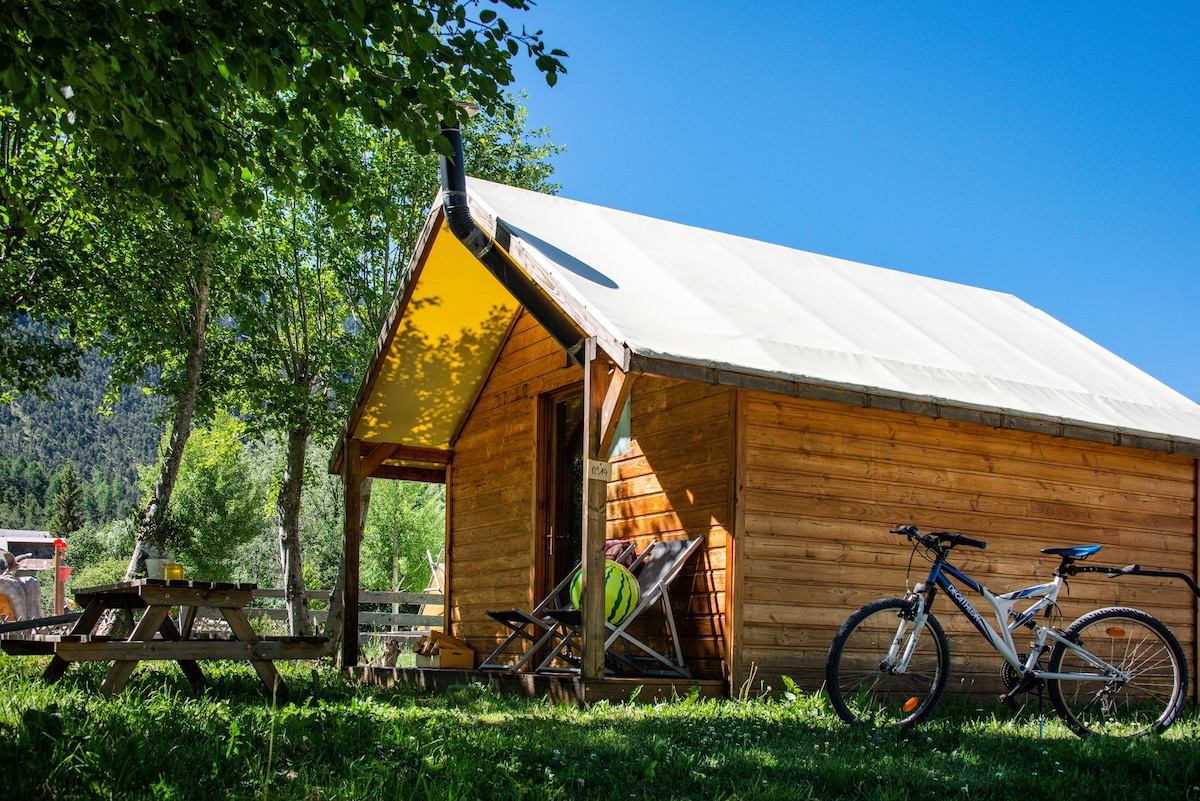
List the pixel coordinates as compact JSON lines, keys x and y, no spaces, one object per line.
{"x":447,"y":549}
{"x":352,"y":548}
{"x":595,"y":494}
{"x":60,"y":600}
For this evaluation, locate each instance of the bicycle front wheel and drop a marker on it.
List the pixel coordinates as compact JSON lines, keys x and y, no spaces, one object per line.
{"x":1147,"y":694}
{"x":865,"y":687}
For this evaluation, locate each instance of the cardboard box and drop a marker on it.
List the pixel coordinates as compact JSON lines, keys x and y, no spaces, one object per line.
{"x":458,"y":658}
{"x":437,"y":650}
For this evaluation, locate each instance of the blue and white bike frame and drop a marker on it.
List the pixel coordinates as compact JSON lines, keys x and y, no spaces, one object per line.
{"x":1008,"y":620}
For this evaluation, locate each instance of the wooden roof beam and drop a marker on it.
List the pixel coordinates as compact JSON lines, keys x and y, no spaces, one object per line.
{"x":425,"y":475}
{"x":620,"y":384}
{"x":374,"y":457}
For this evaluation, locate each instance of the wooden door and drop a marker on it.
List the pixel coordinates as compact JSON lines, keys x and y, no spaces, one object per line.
{"x":561,"y":487}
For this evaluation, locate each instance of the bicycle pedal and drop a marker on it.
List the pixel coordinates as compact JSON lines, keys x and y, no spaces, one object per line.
{"x":1010,"y":700}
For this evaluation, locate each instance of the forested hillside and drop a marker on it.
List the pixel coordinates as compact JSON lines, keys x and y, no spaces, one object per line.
{"x":38,"y":437}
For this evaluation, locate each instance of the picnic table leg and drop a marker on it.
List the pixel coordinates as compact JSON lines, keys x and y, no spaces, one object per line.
{"x":190,"y":667}
{"x":244,"y":632}
{"x":122,"y":669}
{"x":84,"y":625}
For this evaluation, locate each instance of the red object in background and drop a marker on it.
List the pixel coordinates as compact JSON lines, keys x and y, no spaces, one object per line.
{"x":59,"y":542}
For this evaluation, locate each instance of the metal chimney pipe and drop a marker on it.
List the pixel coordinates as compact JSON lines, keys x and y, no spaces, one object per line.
{"x":494,"y":257}
{"x":454,"y":201}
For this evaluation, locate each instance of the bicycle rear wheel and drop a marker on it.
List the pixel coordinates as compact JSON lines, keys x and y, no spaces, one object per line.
{"x":863,"y":688}
{"x":1135,"y":643}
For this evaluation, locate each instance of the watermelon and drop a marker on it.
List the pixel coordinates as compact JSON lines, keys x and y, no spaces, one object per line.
{"x":621,"y":592}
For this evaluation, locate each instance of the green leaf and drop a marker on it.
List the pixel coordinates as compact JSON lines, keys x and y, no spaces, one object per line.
{"x":427,"y":41}
{"x":131,"y":126}
{"x":154,"y":133}
{"x":319,"y":72}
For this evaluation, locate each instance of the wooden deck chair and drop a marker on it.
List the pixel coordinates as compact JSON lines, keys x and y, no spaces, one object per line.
{"x":658,"y":567}
{"x":538,"y":627}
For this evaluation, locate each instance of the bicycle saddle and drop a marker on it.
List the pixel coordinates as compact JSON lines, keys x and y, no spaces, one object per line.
{"x":1074,"y":552}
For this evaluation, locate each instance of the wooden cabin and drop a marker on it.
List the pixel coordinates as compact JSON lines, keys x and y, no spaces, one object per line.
{"x":787,"y":407}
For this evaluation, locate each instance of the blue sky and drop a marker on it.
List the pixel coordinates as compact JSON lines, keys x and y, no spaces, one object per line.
{"x":1047,"y":150}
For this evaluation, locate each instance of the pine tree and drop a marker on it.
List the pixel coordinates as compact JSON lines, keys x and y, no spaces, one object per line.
{"x":95,"y":493}
{"x":66,"y":511}
{"x":118,"y":505}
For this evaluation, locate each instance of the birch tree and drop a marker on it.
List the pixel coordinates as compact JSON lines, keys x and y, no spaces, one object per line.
{"x":189,"y":110}
{"x":295,"y":348}
{"x":315,"y":291}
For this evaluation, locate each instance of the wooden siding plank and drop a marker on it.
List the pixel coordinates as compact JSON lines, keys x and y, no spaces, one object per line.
{"x":884,"y":431}
{"x":949,"y":512}
{"x":889,"y":473}
{"x":676,"y":482}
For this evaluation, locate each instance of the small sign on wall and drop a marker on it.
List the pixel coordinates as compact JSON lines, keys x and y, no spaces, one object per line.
{"x":599,"y":470}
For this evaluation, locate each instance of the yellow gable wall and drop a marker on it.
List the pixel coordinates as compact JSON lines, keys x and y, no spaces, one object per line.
{"x":454,"y":321}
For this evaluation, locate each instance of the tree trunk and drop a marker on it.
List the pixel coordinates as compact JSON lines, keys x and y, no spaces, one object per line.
{"x":289,"y":533}
{"x":147,"y":543}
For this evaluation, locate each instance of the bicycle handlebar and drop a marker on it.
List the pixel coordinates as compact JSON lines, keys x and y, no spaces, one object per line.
{"x":938,"y":539}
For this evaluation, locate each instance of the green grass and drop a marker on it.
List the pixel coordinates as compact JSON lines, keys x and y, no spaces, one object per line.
{"x":162,"y":739}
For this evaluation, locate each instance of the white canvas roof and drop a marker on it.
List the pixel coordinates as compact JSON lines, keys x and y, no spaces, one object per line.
{"x":687,"y":301}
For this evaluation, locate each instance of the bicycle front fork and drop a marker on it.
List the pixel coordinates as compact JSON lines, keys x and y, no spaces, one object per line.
{"x":905,"y":642}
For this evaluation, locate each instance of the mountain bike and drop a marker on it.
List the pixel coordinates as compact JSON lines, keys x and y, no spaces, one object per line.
{"x":1115,"y":671}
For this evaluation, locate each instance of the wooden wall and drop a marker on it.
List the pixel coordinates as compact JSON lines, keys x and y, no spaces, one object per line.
{"x":811,"y":489}
{"x":492,"y":489}
{"x":824,"y":482}
{"x":676,"y":483}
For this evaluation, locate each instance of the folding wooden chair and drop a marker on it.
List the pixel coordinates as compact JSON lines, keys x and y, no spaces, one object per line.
{"x":658,"y":567}
{"x":539,"y":627}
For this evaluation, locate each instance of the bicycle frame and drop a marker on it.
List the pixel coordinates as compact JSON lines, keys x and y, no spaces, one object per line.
{"x":1008,"y":620}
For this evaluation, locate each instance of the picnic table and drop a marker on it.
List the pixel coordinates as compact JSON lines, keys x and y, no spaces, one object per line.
{"x":155,"y":635}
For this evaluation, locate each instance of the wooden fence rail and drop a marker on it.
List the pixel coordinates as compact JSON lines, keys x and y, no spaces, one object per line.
{"x":377,"y":619}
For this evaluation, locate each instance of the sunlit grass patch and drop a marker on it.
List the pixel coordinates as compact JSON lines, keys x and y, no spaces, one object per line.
{"x":161,"y":738}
